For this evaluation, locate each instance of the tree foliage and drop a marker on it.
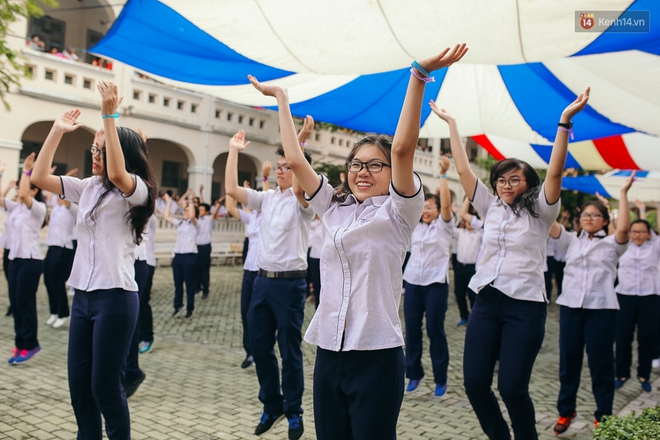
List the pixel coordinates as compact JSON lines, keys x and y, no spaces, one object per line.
{"x":11,"y":69}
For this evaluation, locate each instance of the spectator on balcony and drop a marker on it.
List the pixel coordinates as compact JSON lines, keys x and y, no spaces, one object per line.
{"x":55,"y":51}
{"x":70,"y":54}
{"x":36,"y":44}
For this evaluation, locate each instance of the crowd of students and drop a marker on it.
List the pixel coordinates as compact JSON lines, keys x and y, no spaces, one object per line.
{"x":349,"y":243}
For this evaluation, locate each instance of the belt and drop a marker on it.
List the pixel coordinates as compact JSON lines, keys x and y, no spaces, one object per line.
{"x":287,"y":274}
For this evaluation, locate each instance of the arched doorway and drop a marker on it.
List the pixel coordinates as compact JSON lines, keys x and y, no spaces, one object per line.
{"x":170,"y":162}
{"x":247,"y":170}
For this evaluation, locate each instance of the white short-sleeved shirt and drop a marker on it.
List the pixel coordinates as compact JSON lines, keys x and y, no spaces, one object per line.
{"x":429,"y":255}
{"x":468,"y":246}
{"x":315,"y":238}
{"x":252,"y":222}
{"x":590,"y":270}
{"x":26,"y":224}
{"x":284,"y":229}
{"x":638,"y":269}
{"x":10,"y":205}
{"x":61,"y":225}
{"x":560,"y":254}
{"x":186,"y":236}
{"x":105,"y":255}
{"x":205,"y":229}
{"x":151,"y":240}
{"x":513,"y":246}
{"x":364,"y":245}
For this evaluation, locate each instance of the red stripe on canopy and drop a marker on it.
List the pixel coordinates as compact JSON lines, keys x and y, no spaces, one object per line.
{"x":613,"y":151}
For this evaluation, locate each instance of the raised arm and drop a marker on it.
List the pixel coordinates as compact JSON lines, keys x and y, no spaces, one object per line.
{"x":641,"y":208}
{"x":167,"y":215}
{"x":201,"y":194}
{"x":445,"y":194}
{"x":304,"y":134}
{"x":236,"y":144}
{"x":114,"y":156}
{"x":611,"y":229}
{"x":24,"y":193}
{"x":231,"y":206}
{"x":266,"y":168}
{"x":461,"y":160}
{"x":623,"y":223}
{"x":560,"y":149}
{"x":191,"y":213}
{"x":295,"y":158}
{"x":465,"y":211}
{"x":407,"y":130}
{"x":41,"y":175}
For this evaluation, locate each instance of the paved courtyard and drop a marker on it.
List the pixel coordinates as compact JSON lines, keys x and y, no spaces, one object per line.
{"x":195,"y":389}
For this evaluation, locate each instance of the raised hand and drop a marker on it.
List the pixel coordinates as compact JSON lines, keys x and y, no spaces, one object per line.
{"x":109,"y":96}
{"x":306,"y":130}
{"x":626,"y":186}
{"x":640,"y":205}
{"x":441,"y":112}
{"x":445,"y":58}
{"x":603,"y":200}
{"x":29,"y":162}
{"x":576,"y":106}
{"x":266,"y":168}
{"x":67,"y":121}
{"x":246,"y":184}
{"x":237,"y":142}
{"x":142,"y":135}
{"x":72,"y":172}
{"x":266,"y":90}
{"x":444,"y":164}
{"x":99,"y":138}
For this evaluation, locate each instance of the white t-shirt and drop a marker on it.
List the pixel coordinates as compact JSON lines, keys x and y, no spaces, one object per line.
{"x":638,"y":269}
{"x":186,"y":236}
{"x":26,"y":224}
{"x":429,"y":255}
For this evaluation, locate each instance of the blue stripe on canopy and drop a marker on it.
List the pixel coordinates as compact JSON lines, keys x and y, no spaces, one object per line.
{"x":617,"y":41}
{"x":585,"y":184}
{"x":537,"y":93}
{"x":179,"y":50}
{"x":545,"y":151}
{"x":369,"y":102}
{"x":626,"y":173}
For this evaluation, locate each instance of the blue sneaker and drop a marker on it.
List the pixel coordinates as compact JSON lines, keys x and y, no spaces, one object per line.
{"x":440,"y":390}
{"x":646,"y":385}
{"x":267,"y":422}
{"x":296,"y":427}
{"x":25,"y":355}
{"x":414,"y":384}
{"x":619,"y":381}
{"x":145,"y":346}
{"x":461,"y":323}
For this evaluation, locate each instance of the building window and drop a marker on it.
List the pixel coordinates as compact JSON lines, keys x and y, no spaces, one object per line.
{"x":68,"y":79}
{"x":193,"y":108}
{"x":317,"y":137}
{"x":29,"y":70}
{"x":229,"y":116}
{"x":152,"y":98}
{"x":166,"y":102}
{"x":217,"y":114}
{"x":341,"y":142}
{"x":240,"y":119}
{"x":87,"y":83}
{"x":262,"y":124}
{"x":50,"y":75}
{"x":251,"y":122}
{"x":332,"y":140}
{"x":179,"y":105}
{"x":170,"y":174}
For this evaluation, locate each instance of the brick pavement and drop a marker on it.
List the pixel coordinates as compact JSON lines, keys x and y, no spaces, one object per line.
{"x":196,"y":390}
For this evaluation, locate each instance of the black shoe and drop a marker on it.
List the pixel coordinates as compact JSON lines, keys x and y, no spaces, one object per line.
{"x":296,"y":427}
{"x":190,"y":313}
{"x":9,"y":311}
{"x":205,"y":295}
{"x":131,"y":386}
{"x":267,"y":423}
{"x":247,"y":362}
{"x":178,"y":311}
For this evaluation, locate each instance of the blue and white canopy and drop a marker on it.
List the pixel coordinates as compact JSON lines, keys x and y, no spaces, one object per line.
{"x":346,"y":62}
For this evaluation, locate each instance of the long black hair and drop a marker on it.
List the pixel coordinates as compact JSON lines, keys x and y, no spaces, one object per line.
{"x":136,"y":161}
{"x":382,"y":142}
{"x":526,"y":200}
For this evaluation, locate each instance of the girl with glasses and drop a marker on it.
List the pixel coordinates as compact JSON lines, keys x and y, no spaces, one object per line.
{"x":508,"y":318}
{"x":588,"y":312}
{"x":367,"y":226}
{"x":114,"y":208}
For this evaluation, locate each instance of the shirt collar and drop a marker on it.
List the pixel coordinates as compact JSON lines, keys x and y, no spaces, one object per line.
{"x":599,"y":234}
{"x":377,"y":201}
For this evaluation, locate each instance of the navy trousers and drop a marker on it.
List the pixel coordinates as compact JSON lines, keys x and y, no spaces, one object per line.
{"x":642,"y":312}
{"x":5,"y":268}
{"x":462,"y":275}
{"x":184,"y":270}
{"x":102,"y":325}
{"x":132,"y":365}
{"x":432,"y":301}
{"x":597,"y":330}
{"x":246,"y":296}
{"x":204,"y":267}
{"x":276,"y":313}
{"x":511,"y":330}
{"x":314,"y":278}
{"x":145,"y":318}
{"x":57,"y":268}
{"x":358,"y":394}
{"x":24,"y":277}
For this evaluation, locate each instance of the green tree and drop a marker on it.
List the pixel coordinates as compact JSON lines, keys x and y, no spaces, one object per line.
{"x":11,"y":69}
{"x":330,"y":171}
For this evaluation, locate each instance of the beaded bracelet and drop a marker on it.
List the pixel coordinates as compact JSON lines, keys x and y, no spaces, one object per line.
{"x":428,"y":79}
{"x":115,"y":115}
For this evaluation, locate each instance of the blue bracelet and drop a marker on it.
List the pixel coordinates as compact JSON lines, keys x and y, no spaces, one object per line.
{"x":115,"y":115}
{"x":419,"y":67}
{"x":443,"y":176}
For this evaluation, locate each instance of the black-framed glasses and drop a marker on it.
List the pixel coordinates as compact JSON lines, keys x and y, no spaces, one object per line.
{"x":591,"y":216}
{"x":97,"y":150}
{"x":282,"y":168}
{"x":373,"y":166}
{"x":513,"y":182}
